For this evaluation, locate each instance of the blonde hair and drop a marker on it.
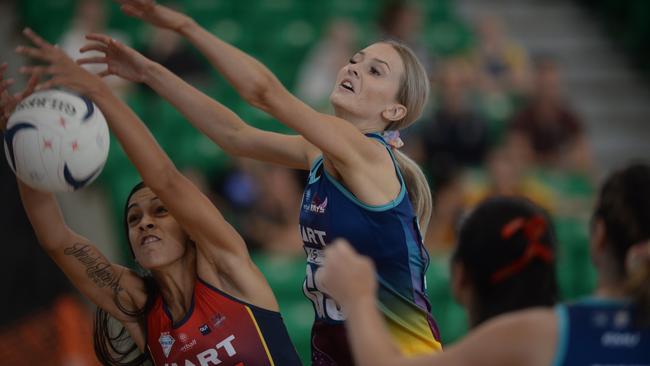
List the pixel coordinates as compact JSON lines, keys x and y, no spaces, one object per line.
{"x":413,"y":94}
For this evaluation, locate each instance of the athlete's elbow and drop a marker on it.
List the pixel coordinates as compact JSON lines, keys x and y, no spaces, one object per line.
{"x":260,"y":94}
{"x":162,"y":177}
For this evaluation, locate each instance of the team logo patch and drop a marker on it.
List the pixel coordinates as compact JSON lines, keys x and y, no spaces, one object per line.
{"x":314,"y":204}
{"x":166,"y":342}
{"x":205,"y":329}
{"x":217,"y":320}
{"x":183,"y":337}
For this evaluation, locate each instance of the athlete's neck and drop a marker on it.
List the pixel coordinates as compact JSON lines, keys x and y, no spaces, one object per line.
{"x":176,"y":282}
{"x":364,"y":125}
{"x":609,"y":289}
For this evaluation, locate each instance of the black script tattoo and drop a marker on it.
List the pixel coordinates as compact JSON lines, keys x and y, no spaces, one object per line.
{"x":97,"y":268}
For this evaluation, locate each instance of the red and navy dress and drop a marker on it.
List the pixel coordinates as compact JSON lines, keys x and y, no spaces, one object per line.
{"x":218,"y":330}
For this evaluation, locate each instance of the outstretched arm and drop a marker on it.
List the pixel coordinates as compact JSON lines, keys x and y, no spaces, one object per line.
{"x":90,"y":272}
{"x":212,"y":118}
{"x":338,"y":139}
{"x":526,"y":338}
{"x":217,"y":241}
{"x":103,"y":282}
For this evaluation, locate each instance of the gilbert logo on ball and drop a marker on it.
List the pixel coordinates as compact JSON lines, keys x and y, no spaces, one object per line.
{"x":57,"y":141}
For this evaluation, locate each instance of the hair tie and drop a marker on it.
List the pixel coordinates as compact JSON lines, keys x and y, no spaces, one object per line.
{"x":392,"y":138}
{"x":533,"y":229}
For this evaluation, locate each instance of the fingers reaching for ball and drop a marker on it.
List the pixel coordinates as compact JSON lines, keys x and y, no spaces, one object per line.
{"x":8,"y":101}
{"x":61,"y":69}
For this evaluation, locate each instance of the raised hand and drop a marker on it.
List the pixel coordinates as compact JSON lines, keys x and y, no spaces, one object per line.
{"x":346,"y":275}
{"x":120,"y":60}
{"x":154,"y":14}
{"x":64,"y":71}
{"x":8,"y":102}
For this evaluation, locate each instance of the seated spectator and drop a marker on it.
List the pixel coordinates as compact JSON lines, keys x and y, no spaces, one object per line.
{"x":168,"y":49}
{"x":457,"y":136}
{"x":503,"y":62}
{"x":548,"y":130}
{"x":403,"y":20}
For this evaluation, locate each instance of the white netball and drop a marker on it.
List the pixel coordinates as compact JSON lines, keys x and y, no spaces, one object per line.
{"x":57,"y":141}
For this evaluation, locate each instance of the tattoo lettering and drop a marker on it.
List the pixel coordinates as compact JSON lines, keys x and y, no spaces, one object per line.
{"x":97,"y":269}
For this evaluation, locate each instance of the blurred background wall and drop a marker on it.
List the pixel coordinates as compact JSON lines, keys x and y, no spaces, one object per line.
{"x":539,"y":98}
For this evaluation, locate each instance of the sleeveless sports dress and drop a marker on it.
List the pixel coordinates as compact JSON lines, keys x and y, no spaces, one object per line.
{"x":600,"y":332}
{"x":218,"y":330}
{"x":390,"y":235}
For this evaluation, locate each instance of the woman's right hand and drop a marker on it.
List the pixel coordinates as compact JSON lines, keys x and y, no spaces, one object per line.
{"x":154,"y":14}
{"x":120,"y":59}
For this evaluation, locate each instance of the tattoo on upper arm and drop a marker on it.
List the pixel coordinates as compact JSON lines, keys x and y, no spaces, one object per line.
{"x":98,"y":269}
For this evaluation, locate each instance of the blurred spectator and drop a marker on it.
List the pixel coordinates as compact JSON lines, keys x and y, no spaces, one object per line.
{"x":316,"y":76}
{"x":457,"y":136}
{"x":60,"y":334}
{"x":264,"y":198}
{"x":547,"y":130}
{"x":508,"y":176}
{"x":91,"y":17}
{"x":503,"y":63}
{"x":168,"y":49}
{"x":448,"y":205}
{"x":403,"y":20}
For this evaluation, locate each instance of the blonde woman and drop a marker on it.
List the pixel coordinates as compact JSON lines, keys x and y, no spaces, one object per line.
{"x":360,"y":187}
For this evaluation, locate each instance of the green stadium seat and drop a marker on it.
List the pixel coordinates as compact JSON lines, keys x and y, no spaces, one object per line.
{"x":449,"y":316}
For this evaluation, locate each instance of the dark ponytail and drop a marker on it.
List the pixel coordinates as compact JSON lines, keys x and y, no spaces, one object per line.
{"x":115,"y":347}
{"x":506,"y":246}
{"x":624,"y":208}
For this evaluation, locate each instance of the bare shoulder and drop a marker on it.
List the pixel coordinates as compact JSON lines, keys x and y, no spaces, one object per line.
{"x":238,"y":277}
{"x":526,"y":337}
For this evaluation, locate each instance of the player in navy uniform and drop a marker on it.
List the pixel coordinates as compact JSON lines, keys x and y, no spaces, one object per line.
{"x":360,"y":186}
{"x":205,"y":303}
{"x":611,"y":328}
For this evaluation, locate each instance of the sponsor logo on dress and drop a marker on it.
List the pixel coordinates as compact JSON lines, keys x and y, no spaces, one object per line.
{"x":166,"y":342}
{"x":183,"y":337}
{"x":205,"y":329}
{"x":315,"y":204}
{"x":217,"y":320}
{"x":188,"y":346}
{"x":622,"y":319}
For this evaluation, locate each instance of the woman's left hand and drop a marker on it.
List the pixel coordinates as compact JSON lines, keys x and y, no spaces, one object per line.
{"x":63,"y":70}
{"x":346,"y":275}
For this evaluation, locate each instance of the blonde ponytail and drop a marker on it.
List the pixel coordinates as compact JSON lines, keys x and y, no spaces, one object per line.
{"x":413,"y":93}
{"x":418,"y":189}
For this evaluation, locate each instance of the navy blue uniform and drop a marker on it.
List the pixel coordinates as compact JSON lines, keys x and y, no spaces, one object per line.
{"x":389,"y":234}
{"x":600,"y":332}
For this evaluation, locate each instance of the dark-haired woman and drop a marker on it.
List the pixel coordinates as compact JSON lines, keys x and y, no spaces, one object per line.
{"x":611,"y":328}
{"x":206,"y":303}
{"x":504,"y":245}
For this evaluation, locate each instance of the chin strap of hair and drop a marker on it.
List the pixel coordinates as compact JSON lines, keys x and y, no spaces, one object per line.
{"x":393,"y":139}
{"x":533,"y":229}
